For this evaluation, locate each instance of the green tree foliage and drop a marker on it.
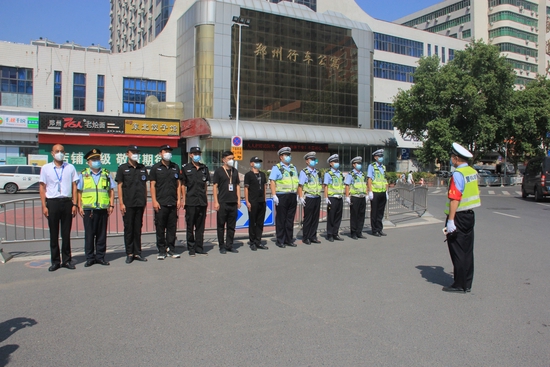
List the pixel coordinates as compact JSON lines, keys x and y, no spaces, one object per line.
{"x":464,"y":100}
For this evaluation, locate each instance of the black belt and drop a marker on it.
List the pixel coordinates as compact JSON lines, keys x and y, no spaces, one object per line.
{"x":59,"y":199}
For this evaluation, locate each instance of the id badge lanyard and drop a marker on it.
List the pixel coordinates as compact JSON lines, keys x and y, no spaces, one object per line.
{"x":230,"y":177}
{"x":59,"y":177}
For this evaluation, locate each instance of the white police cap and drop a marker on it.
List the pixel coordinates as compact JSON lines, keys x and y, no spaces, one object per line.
{"x":460,"y":151}
{"x":356,"y":160}
{"x":310,"y":155}
{"x":332,"y":158}
{"x":284,"y":150}
{"x":379,"y":153}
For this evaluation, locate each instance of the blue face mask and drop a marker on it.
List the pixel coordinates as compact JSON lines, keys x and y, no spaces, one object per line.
{"x":96,"y":164}
{"x":312,"y":162}
{"x":287,"y":159}
{"x":196,"y":158}
{"x":358,"y":167}
{"x":336,"y":165}
{"x":257,"y":165}
{"x":380,"y":159}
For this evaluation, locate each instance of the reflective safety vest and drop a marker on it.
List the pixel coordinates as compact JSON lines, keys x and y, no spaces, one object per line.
{"x":470,"y":196}
{"x":359,"y":184}
{"x":313,"y":185}
{"x":289,"y":182}
{"x":95,"y":196}
{"x":337,"y":185}
{"x":379,"y":184}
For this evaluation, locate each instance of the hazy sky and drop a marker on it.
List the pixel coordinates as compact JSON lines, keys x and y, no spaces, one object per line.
{"x":87,"y":21}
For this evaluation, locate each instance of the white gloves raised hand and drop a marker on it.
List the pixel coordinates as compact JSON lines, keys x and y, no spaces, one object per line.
{"x":275,"y":199}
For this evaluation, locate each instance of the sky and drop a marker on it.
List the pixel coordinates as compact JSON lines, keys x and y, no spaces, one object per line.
{"x":86,"y":22}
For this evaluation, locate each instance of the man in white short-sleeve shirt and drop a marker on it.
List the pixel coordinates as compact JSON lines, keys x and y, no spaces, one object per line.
{"x":58,"y":196}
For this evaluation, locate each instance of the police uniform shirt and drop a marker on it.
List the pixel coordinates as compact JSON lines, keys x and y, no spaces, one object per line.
{"x":349,"y":178}
{"x":224,"y":178}
{"x":276,"y":174}
{"x":195,"y":181}
{"x":96,"y":177}
{"x":255,"y":183}
{"x":328,"y":179}
{"x":370,"y":170}
{"x":305,"y":178}
{"x":166,"y":182}
{"x":134,"y":181}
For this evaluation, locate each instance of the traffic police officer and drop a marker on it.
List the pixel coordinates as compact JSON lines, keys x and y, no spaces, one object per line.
{"x":333,"y":185}
{"x":377,"y":186}
{"x":166,"y":197}
{"x":95,"y":202}
{"x":356,"y":197}
{"x":132,"y":199}
{"x":284,"y":184}
{"x":195,"y":178}
{"x":463,"y":197}
{"x":309,"y":195}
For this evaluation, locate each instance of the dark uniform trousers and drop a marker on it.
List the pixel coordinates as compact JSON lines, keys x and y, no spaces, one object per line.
{"x":226,"y":217}
{"x":133,"y":221}
{"x":334,"y":216}
{"x":256,"y":217}
{"x":311,"y":218}
{"x":166,"y":220}
{"x":357,"y":215}
{"x":377,"y":205}
{"x":60,"y":211}
{"x":195,"y":216}
{"x":95,"y":233}
{"x":461,"y":248}
{"x":284,"y":221}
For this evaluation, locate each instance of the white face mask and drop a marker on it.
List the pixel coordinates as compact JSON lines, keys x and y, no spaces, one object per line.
{"x":59,"y":156}
{"x":167,"y":156}
{"x":230,"y":162}
{"x":134,"y":157}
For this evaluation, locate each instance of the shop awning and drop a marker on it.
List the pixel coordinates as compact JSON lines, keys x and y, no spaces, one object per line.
{"x":272,"y":131}
{"x":107,"y":140}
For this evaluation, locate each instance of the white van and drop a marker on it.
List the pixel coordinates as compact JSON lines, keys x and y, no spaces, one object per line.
{"x":14,"y":178}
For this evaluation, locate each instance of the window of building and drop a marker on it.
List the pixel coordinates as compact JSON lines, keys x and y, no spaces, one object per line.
{"x":451,"y":54}
{"x":454,"y":35}
{"x":522,"y":81}
{"x":514,"y":17}
{"x":526,"y":4}
{"x":522,"y":65}
{"x":443,"y":56}
{"x":438,"y":13}
{"x":513,"y":32}
{"x":466,"y":34}
{"x":429,"y":50}
{"x":100,"y":93}
{"x":388,"y":70}
{"x":383,"y":115}
{"x":136,"y":90}
{"x":451,"y":23}
{"x":402,"y":46}
{"x":510,"y":47}
{"x":79,"y":92}
{"x":57,"y":90}
{"x":436,"y":50}
{"x":16,"y":86}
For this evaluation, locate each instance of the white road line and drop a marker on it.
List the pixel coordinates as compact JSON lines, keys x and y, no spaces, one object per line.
{"x":507,"y":215}
{"x":543,"y":204}
{"x":518,"y":192}
{"x":491,"y":192}
{"x":506,"y":193}
{"x":436,"y":191}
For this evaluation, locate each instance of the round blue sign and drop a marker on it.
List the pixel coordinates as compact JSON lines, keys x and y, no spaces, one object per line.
{"x":237,"y":141}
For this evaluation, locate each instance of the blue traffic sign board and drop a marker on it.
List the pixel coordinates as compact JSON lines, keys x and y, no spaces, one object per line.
{"x":237,"y":141}
{"x":242,"y":215}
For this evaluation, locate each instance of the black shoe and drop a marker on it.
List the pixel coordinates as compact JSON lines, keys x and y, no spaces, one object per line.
{"x":201,"y":253}
{"x":338,"y":238}
{"x":192,"y":254}
{"x":102,"y":262}
{"x":330,"y":239}
{"x":129,"y":259}
{"x":263,"y":247}
{"x":360,"y":235}
{"x":281,"y":245}
{"x":68,"y":266}
{"x":315,"y":241}
{"x":306,"y":242}
{"x":376,"y":234}
{"x":223,"y":251}
{"x":89,"y":263}
{"x":172,"y":254}
{"x":54,"y":267}
{"x":453,"y":289}
{"x":253,"y":247}
{"x":353,"y":237}
{"x":139,"y":258}
{"x":382,"y":233}
{"x":290,"y":244}
{"x":468,"y":290}
{"x":233,"y":250}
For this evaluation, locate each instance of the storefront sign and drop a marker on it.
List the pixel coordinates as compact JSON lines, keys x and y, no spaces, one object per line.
{"x":16,"y":160}
{"x":152,"y":127}
{"x":38,"y":159}
{"x":81,"y":123}
{"x":22,"y":122}
{"x":298,"y":147}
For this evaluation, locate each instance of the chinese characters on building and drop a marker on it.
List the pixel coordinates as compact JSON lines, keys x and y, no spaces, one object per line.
{"x":278,"y":53}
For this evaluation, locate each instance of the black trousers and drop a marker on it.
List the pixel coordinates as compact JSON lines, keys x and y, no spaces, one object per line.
{"x":166,"y":220}
{"x":334,"y":216}
{"x":226,"y":217}
{"x":133,"y":221}
{"x":195,"y":217}
{"x":95,"y":233}
{"x":357,"y":210}
{"x":377,"y":205}
{"x":256,"y":219}
{"x":60,"y":212}
{"x":284,"y":221}
{"x":311,"y":218}
{"x":461,"y":248}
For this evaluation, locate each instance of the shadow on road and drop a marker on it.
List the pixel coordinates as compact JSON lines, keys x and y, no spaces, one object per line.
{"x":5,"y":353}
{"x":435,"y":275}
{"x":7,"y":328}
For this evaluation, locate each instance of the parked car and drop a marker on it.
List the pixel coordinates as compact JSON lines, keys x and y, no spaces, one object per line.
{"x":14,"y":178}
{"x":488,"y":178}
{"x":444,"y":174}
{"x":536,"y":179}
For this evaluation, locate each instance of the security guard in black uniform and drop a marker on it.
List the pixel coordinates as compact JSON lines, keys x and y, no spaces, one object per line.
{"x":166,"y":197}
{"x":132,"y":198}
{"x":195,"y":178}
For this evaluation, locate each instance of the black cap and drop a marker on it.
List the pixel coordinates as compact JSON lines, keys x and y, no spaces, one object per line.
{"x":255,"y":159}
{"x":132,"y":148}
{"x":195,"y":150}
{"x":94,"y":153}
{"x":166,"y":147}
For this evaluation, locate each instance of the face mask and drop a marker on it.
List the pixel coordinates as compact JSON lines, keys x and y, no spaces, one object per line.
{"x":167,"y":156}
{"x":358,"y":167}
{"x":59,"y":156}
{"x":336,"y":165}
{"x":96,"y":164}
{"x":134,"y":157}
{"x":451,"y":162}
{"x":230,"y":162}
{"x":380,"y":159}
{"x":196,"y":158}
{"x":257,"y":165}
{"x":312,"y":163}
{"x":287,"y":159}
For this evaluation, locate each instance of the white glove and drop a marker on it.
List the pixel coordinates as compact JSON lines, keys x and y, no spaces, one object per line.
{"x":451,"y":226}
{"x":327,"y":200}
{"x":301,"y":201}
{"x":275,"y":200}
{"x":387,"y":196}
{"x":348,"y":200}
{"x":371,"y":195}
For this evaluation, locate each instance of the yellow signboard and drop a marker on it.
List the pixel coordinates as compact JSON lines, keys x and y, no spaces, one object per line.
{"x":237,"y":153}
{"x":152,"y":127}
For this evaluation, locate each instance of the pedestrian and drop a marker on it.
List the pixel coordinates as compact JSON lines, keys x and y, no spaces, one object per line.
{"x":59,"y":203}
{"x":463,"y":197}
{"x":195,"y":178}
{"x":166,"y":197}
{"x":227,"y":201}
{"x":131,"y":178}
{"x":283,"y":182}
{"x":410,"y":179}
{"x":378,"y":192}
{"x":96,"y":196}
{"x":309,"y":195}
{"x":255,"y":185}
{"x":356,"y":197}
{"x":333,"y":185}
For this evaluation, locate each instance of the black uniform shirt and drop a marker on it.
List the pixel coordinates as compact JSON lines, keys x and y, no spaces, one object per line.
{"x":166,"y":182}
{"x":256,"y":184}
{"x":195,"y":179}
{"x":133,"y":181}
{"x":222,"y":178}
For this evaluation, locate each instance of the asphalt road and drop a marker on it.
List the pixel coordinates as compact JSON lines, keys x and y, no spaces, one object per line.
{"x":373,"y":302}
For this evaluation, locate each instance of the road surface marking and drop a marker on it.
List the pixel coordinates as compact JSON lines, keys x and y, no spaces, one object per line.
{"x":518,"y":192}
{"x":506,"y":193}
{"x":507,"y":215}
{"x":436,"y":191}
{"x":542,"y":204}
{"x":491,"y":192}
